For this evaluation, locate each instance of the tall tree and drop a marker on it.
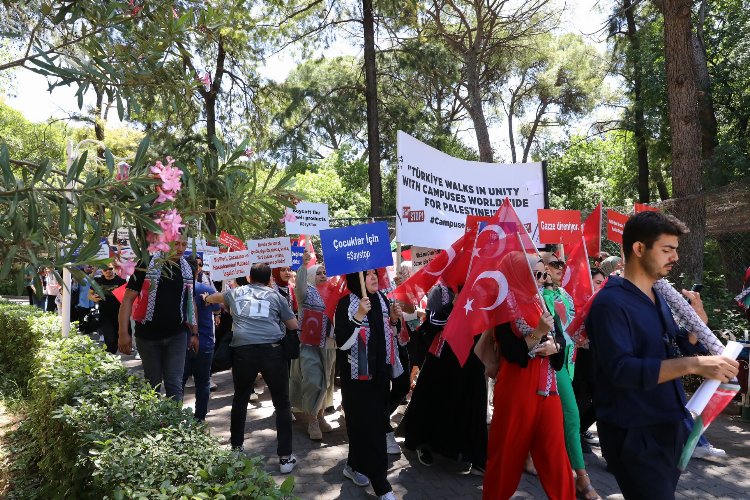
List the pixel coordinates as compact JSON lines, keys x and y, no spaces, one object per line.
{"x":371,"y":96}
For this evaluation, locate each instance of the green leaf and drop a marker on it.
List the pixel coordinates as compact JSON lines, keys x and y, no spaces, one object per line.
{"x":120,"y":108}
{"x":140,"y":155}
{"x":5,"y":165}
{"x":110,"y":160}
{"x":8,"y":262}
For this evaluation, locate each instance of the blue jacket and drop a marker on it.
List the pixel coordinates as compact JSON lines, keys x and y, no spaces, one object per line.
{"x":630,"y":337}
{"x":204,"y":312}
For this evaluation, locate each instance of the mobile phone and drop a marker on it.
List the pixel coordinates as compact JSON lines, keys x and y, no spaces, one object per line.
{"x":697,"y":287}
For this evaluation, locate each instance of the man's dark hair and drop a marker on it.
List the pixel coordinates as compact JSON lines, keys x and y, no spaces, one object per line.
{"x":260,"y":273}
{"x":595,"y":271}
{"x":647,"y":227}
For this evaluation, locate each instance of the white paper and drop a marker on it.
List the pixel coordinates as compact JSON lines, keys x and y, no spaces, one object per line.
{"x":306,"y":218}
{"x":229,"y":265}
{"x":276,"y":252}
{"x":700,"y":399}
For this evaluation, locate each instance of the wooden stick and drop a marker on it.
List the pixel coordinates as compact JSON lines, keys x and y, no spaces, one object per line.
{"x":362,"y":284}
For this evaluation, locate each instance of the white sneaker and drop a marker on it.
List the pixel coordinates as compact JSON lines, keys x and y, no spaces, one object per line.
{"x":388,"y":496}
{"x":253,"y":397}
{"x":313,"y":429}
{"x":709,"y":451}
{"x":287,"y":465}
{"x":391,"y":445}
{"x":324,"y":426}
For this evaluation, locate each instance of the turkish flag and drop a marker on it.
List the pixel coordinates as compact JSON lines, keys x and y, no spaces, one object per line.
{"x":577,"y":277}
{"x":420,"y":283}
{"x":331,"y":292}
{"x":592,"y":231}
{"x":312,"y":327}
{"x":499,"y":288}
{"x":577,"y":328}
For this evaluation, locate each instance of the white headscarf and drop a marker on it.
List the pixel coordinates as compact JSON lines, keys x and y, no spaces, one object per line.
{"x":312,"y":273}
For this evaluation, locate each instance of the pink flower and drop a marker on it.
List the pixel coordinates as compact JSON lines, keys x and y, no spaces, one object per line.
{"x":170,"y":223}
{"x":124,"y":268}
{"x":123,"y":172}
{"x":205,"y":79}
{"x":157,"y":242}
{"x":249,"y":152}
{"x":174,"y":13}
{"x":288,"y":216}
{"x":170,"y":177}
{"x":163,"y":195}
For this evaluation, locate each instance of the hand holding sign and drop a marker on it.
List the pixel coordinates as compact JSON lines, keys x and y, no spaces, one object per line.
{"x":363,"y":309}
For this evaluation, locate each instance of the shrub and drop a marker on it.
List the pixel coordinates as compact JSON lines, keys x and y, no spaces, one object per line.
{"x":92,"y":430}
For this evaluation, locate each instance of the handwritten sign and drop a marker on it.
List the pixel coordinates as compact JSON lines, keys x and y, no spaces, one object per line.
{"x":356,"y":248}
{"x":421,"y":256}
{"x":297,"y":252}
{"x":230,"y":265}
{"x":276,"y":252}
{"x":557,"y":226}
{"x":306,"y":218}
{"x":615,"y":224}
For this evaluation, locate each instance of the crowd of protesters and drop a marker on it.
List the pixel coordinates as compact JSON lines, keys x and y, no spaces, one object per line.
{"x":525,"y":400}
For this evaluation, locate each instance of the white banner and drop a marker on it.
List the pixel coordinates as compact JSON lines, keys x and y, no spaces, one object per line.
{"x":225,"y":266}
{"x":421,"y":256}
{"x":306,"y":218}
{"x":437,"y":191}
{"x":203,"y":249}
{"x":276,"y":252}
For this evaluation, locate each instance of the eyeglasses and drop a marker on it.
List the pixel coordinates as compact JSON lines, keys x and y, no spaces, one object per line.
{"x":558,"y":264}
{"x":539,"y":275}
{"x":110,"y":269}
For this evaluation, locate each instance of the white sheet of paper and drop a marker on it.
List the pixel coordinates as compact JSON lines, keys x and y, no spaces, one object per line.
{"x":700,"y":399}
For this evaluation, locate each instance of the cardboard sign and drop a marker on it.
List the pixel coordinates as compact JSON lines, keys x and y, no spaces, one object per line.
{"x":421,"y":256}
{"x":306,"y":218}
{"x":642,"y":207}
{"x":437,"y":191}
{"x":225,"y":266}
{"x":556,"y":226}
{"x":276,"y":252}
{"x":233,"y":242}
{"x":356,"y":248}
{"x":297,"y":252}
{"x":615,"y":224}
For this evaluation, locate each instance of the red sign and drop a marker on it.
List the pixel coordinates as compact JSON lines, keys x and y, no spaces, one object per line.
{"x":642,"y":207}
{"x":233,"y":242}
{"x":615,"y":224}
{"x":556,"y":226}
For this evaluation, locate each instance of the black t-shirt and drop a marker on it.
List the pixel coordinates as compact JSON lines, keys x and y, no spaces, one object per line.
{"x":167,"y":317}
{"x":109,"y":306}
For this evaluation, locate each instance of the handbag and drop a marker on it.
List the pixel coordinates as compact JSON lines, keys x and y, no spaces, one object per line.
{"x":222,"y":359}
{"x":290,"y":345}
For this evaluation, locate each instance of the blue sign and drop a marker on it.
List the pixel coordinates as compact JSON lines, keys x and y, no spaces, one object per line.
{"x":356,"y":248}
{"x":297,"y":252}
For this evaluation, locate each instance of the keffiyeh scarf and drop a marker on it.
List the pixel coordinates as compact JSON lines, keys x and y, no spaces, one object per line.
{"x":360,"y":369}
{"x":153,"y":274}
{"x":547,"y":383}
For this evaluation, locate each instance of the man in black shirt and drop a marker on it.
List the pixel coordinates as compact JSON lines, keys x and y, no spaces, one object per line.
{"x":109,"y":306}
{"x":165,"y":318}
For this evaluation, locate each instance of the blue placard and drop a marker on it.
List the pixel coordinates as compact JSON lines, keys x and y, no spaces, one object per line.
{"x":297,"y":252}
{"x":356,"y":248}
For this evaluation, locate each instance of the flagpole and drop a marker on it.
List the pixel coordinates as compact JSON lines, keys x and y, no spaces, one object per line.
{"x":471,"y":259}
{"x":586,"y":252}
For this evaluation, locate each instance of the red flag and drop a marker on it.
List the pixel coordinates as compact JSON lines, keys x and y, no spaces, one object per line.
{"x":592,"y":231}
{"x":420,"y":283}
{"x":119,"y":292}
{"x":304,"y":241}
{"x":577,"y":328}
{"x":499,"y":289}
{"x":577,"y":278}
{"x":312,"y":327}
{"x":642,"y":207}
{"x":331,"y":292}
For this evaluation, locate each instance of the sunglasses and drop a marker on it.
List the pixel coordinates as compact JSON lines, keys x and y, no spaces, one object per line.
{"x":558,"y":264}
{"x":110,"y":269}
{"x":539,"y":275}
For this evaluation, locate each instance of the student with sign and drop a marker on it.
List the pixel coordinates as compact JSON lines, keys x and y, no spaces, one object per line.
{"x":366,"y":332}
{"x":311,"y":376}
{"x":258,"y":310}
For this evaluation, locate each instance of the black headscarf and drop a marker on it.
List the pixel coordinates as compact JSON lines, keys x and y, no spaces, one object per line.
{"x":352,"y":283}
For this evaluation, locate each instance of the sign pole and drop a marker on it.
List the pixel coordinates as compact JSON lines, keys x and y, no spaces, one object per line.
{"x":67,"y":281}
{"x":362,"y":284}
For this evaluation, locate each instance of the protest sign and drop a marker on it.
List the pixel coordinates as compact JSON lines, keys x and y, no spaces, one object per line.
{"x":559,"y":226}
{"x":436,"y":192}
{"x":233,"y":242}
{"x":356,"y":248}
{"x":202,"y":250}
{"x":230,"y":265}
{"x":306,"y":218}
{"x":421,"y":256}
{"x":642,"y":207}
{"x":297,"y":252}
{"x":615,"y":224}
{"x":276,"y":252}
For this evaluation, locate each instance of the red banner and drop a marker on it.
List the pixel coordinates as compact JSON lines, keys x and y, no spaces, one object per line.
{"x":615,"y":224}
{"x":233,"y":242}
{"x":559,"y":226}
{"x":642,"y":207}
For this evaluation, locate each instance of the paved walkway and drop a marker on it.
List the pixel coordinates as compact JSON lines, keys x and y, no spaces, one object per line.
{"x":319,"y":472}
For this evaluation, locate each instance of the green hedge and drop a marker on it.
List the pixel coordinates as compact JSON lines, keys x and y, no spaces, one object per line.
{"x":92,"y":430}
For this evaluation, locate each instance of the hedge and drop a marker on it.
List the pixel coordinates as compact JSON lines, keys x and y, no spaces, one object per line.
{"x":92,"y":430}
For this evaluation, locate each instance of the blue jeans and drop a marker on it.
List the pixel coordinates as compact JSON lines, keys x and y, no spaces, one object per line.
{"x":198,"y":364}
{"x":164,"y":361}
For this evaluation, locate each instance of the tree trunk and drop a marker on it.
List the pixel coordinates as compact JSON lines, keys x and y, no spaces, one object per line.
{"x":99,"y":121}
{"x":706,"y":112}
{"x":209,"y":98}
{"x":639,"y":125}
{"x":371,"y":96}
{"x":475,"y":110}
{"x":534,"y":126}
{"x":511,"y":139}
{"x":687,"y":166}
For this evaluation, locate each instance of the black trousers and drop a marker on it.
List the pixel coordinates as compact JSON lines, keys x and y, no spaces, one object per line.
{"x":268,"y":359}
{"x":399,"y":388}
{"x":583,"y":387}
{"x":644,"y":459}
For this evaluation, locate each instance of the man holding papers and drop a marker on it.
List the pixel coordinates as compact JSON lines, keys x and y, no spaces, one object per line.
{"x":638,"y":395}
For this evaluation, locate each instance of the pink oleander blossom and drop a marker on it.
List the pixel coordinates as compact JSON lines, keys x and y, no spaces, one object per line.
{"x":249,"y":152}
{"x":205,"y":79}
{"x":170,"y":223}
{"x":163,"y":195}
{"x":123,"y":172}
{"x":157,"y":242}
{"x":124,"y":268}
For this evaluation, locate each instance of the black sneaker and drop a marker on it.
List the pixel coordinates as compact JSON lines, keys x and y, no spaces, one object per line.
{"x":589,"y":438}
{"x":476,"y":470}
{"x":425,"y":456}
